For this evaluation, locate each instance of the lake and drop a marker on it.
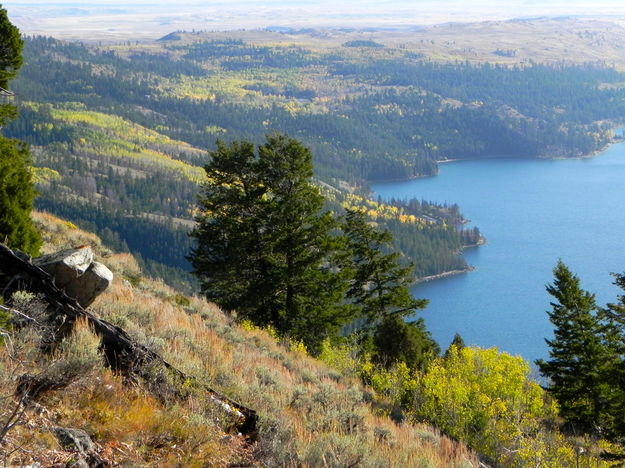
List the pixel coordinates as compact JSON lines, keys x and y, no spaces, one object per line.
{"x":532,"y":213}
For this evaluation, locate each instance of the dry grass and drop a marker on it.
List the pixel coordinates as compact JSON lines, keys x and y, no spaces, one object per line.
{"x":310,"y":414}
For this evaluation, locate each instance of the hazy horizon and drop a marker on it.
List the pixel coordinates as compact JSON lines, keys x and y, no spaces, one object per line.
{"x":151,"y":18}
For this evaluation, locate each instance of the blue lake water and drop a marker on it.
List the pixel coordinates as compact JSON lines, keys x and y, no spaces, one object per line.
{"x":532,"y":212}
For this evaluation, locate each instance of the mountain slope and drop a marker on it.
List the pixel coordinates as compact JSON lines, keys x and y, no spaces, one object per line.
{"x":310,"y":414}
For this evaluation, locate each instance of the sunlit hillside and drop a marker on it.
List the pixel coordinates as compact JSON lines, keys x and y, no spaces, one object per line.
{"x":309,"y":414}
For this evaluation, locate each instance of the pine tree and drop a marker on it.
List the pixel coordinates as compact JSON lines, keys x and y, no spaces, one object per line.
{"x":16,"y":184}
{"x":380,"y":295}
{"x":263,"y":243}
{"x":11,"y":45}
{"x":613,"y":318}
{"x":16,"y":198}
{"x":397,"y":340}
{"x":577,"y":366}
{"x":457,"y":343}
{"x":307,"y":290}
{"x":228,"y":256}
{"x":380,"y":286}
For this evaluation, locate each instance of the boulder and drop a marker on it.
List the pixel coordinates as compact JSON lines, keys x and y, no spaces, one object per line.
{"x":66,"y":265}
{"x":75,"y":440}
{"x":75,"y":272}
{"x":87,"y":287}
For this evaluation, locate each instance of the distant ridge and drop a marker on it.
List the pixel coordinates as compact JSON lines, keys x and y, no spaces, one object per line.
{"x":172,"y":36}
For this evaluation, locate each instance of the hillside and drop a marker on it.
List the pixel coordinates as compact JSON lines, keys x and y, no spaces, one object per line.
{"x":309,"y":414}
{"x":118,"y":170}
{"x":119,"y":132}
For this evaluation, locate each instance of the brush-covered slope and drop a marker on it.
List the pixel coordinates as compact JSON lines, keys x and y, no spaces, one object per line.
{"x":309,"y":413}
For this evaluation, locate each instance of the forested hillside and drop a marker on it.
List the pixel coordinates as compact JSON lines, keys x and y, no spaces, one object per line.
{"x":119,"y":132}
{"x":367,"y":113}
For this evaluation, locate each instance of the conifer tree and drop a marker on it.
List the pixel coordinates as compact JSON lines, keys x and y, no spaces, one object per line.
{"x":457,"y":342}
{"x":263,"y":244}
{"x":613,"y":318}
{"x":10,"y":49}
{"x":396,"y":340}
{"x":577,"y":366}
{"x":380,"y":286}
{"x":16,"y":184}
{"x":16,"y":198}
{"x":380,"y":294}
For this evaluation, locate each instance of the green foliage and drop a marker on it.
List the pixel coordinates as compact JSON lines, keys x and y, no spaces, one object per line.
{"x":263,"y":243}
{"x":10,"y":49}
{"x":380,"y":285}
{"x":457,"y":342}
{"x":613,"y":319}
{"x":397,"y":341}
{"x":379,"y":292}
{"x":16,"y":198}
{"x":16,"y":184}
{"x":578,"y":358}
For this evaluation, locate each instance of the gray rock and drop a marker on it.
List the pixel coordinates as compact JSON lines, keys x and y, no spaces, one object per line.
{"x":75,"y":272}
{"x":87,"y":287}
{"x":67,"y":265}
{"x":74,"y":439}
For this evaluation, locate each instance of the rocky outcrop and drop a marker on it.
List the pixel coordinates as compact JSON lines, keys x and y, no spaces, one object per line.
{"x":75,"y":272}
{"x":80,"y":443}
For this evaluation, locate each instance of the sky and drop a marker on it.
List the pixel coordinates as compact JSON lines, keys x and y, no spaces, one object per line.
{"x":145,"y":18}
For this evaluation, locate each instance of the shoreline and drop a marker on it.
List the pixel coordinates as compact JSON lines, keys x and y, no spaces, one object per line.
{"x":603,"y":149}
{"x":402,"y":179}
{"x":592,"y":154}
{"x":615,"y":140}
{"x":482,"y":241}
{"x":445,"y":274}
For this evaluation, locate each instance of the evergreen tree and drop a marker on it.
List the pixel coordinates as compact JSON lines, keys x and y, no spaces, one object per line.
{"x":380,"y":295}
{"x":396,"y":340}
{"x":457,"y":342}
{"x":16,"y":198}
{"x":263,"y":244}
{"x":577,"y":366}
{"x":16,"y":185}
{"x":307,"y":290}
{"x":10,"y":49}
{"x":380,"y":286}
{"x":227,"y":258}
{"x":613,"y":317}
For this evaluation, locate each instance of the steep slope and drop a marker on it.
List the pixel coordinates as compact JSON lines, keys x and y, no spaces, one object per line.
{"x":309,"y":414}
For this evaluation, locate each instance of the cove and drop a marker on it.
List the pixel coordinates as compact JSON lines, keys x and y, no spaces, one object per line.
{"x":532,"y":212}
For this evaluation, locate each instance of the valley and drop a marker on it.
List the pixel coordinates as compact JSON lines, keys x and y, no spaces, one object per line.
{"x":378,"y":206}
{"x":120,"y":131}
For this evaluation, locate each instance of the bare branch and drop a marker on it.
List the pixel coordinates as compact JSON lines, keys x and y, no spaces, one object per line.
{"x":18,"y":313}
{"x":13,"y":419}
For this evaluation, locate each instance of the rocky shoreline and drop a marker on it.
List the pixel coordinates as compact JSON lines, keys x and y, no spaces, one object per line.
{"x":445,"y":274}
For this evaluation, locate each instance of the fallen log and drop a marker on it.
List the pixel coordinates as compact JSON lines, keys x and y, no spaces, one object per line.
{"x":123,"y":354}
